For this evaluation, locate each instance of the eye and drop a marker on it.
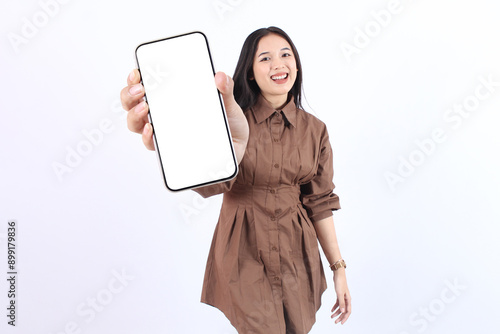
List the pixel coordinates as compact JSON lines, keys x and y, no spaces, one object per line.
{"x":286,"y":54}
{"x":265,"y":59}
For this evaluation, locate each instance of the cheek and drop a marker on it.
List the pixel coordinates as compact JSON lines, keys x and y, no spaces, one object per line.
{"x":260,"y":74}
{"x":293,"y":77}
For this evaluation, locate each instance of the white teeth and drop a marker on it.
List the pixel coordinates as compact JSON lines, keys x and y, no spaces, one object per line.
{"x":281,"y":77}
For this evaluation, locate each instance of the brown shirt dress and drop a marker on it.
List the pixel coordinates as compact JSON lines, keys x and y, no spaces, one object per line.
{"x":264,"y":269}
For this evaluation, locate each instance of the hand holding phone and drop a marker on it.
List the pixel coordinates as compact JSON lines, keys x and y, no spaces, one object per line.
{"x":191,"y":131}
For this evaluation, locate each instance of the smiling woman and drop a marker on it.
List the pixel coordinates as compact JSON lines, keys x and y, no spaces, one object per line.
{"x":264,"y":269}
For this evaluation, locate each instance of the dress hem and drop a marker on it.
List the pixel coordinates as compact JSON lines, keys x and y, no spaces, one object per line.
{"x":206,"y":302}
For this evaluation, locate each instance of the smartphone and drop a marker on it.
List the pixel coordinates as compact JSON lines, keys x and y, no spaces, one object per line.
{"x":190,"y":129}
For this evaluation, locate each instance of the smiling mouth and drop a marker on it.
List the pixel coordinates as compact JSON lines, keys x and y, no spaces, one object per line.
{"x":280,"y":76}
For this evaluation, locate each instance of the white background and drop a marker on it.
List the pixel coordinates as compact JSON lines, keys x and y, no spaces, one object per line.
{"x":422,"y":254}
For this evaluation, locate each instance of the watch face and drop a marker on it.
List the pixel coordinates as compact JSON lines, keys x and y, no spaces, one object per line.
{"x":338,"y":264}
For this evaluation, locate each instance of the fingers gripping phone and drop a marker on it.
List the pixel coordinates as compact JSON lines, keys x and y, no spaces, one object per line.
{"x":190,"y":128}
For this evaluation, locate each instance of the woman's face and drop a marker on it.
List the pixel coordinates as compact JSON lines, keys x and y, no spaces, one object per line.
{"x":274,"y":68}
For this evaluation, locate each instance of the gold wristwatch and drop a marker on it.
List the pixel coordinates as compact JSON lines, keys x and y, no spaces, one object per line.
{"x":339,"y":264}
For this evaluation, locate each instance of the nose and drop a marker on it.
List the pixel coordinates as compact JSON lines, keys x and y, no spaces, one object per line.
{"x":277,"y":64}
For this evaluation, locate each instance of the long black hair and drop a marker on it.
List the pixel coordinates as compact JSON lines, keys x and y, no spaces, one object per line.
{"x":246,"y":91}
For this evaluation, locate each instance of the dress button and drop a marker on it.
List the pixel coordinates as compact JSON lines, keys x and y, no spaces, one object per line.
{"x":274,"y":249}
{"x":277,"y":211}
{"x":276,"y":278}
{"x":273,"y":218}
{"x":276,"y":140}
{"x":276,"y":165}
{"x":272,"y":191}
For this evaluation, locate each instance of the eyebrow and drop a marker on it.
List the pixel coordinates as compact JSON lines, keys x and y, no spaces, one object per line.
{"x":266,"y":52}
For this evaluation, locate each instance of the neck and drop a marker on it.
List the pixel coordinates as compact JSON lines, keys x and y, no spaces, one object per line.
{"x":276,"y":101}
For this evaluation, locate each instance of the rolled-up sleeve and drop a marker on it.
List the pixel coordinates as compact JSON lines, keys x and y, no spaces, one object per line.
{"x":317,"y":196}
{"x":215,"y":189}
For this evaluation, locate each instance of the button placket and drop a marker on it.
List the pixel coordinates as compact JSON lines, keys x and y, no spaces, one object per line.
{"x":276,"y":128}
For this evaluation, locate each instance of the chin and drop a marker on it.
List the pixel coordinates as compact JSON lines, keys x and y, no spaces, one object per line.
{"x":283,"y":91}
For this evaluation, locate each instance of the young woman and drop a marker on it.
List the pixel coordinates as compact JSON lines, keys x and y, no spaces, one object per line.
{"x":264,"y":269}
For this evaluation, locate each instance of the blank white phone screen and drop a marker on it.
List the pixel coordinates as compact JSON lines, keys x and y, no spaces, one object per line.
{"x":191,"y":134}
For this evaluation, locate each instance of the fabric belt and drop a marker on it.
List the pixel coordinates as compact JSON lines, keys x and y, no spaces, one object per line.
{"x":264,"y":197}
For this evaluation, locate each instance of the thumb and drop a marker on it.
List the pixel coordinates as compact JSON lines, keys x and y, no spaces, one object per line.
{"x":341,"y":303}
{"x":225,"y":85}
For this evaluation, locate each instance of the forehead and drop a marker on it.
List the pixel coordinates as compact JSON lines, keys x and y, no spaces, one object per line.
{"x":272,"y":43}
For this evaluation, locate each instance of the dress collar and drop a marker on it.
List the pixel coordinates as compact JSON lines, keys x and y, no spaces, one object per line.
{"x":263,"y":110}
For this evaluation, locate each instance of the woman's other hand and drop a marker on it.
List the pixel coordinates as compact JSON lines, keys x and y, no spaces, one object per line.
{"x":342,"y":307}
